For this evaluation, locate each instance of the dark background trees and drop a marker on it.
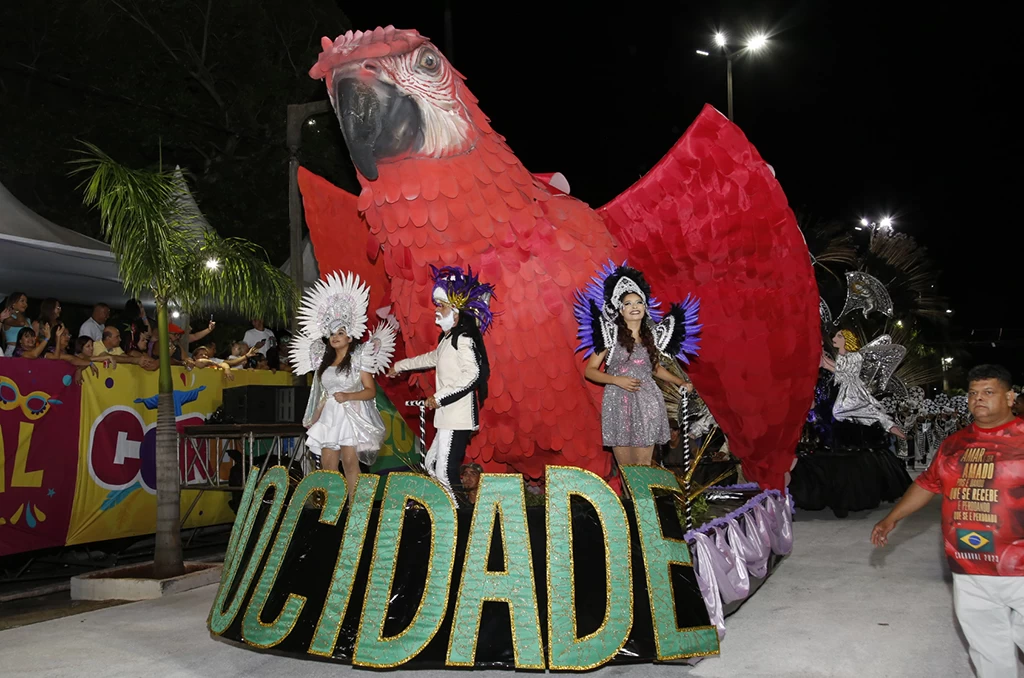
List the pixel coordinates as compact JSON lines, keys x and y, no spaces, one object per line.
{"x":200,"y":84}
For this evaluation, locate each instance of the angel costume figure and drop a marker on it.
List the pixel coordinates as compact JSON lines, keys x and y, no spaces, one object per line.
{"x":854,"y":402}
{"x":621,"y":326}
{"x":341,"y":416}
{"x":461,"y":367}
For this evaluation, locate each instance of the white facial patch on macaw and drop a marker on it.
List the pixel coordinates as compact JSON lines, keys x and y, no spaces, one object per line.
{"x":428,"y":78}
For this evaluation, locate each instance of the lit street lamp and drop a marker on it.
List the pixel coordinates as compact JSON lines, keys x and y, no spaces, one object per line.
{"x":755,"y":43}
{"x":883,"y":225}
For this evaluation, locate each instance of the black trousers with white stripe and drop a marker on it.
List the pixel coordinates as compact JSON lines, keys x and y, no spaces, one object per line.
{"x":444,"y":461}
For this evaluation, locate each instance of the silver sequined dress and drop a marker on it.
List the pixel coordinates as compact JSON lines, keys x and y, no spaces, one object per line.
{"x":355,"y":423}
{"x":854,"y":403}
{"x":633,"y":419}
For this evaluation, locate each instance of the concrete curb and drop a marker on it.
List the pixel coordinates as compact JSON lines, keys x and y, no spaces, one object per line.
{"x":129,"y":582}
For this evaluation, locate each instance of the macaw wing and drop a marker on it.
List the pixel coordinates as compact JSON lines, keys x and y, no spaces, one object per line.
{"x":710,"y":219}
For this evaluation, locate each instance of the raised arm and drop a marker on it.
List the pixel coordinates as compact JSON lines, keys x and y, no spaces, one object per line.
{"x":827,"y":363}
{"x":424,"y":361}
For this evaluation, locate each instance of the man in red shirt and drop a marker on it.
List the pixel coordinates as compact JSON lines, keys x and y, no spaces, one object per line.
{"x":979,"y":471}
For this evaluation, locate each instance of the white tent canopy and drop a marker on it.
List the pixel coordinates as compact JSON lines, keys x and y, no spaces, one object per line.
{"x":42,"y":259}
{"x":310,"y":269}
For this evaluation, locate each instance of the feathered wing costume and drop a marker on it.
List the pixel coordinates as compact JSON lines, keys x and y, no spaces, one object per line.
{"x":855,"y":370}
{"x":340,"y":302}
{"x":867,"y":369}
{"x":633,"y":419}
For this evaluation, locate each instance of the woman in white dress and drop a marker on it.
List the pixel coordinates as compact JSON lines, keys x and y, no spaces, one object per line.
{"x":346,"y":424}
{"x":341,"y":416}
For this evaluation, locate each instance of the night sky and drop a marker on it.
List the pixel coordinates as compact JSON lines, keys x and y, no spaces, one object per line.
{"x":862,"y":110}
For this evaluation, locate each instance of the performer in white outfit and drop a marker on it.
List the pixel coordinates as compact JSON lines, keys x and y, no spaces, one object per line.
{"x":341,"y":416}
{"x":461,"y":371}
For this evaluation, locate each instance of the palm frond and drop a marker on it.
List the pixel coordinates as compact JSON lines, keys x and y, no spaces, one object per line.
{"x":235,"y":274}
{"x":908,"y":274}
{"x":162,"y":243}
{"x":829,"y":242}
{"x":134,"y":216}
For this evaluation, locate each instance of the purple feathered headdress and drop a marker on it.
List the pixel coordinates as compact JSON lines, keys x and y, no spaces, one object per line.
{"x":465,"y":292}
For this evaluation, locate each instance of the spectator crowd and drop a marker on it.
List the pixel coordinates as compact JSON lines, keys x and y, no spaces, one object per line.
{"x":131,"y":337}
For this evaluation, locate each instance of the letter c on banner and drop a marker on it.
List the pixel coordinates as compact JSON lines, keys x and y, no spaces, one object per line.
{"x":331,"y":486}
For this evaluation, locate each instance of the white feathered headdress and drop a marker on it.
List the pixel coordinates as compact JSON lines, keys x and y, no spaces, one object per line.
{"x":339,"y":302}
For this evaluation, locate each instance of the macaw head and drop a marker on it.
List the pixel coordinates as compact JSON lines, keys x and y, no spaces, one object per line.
{"x":397,"y":97}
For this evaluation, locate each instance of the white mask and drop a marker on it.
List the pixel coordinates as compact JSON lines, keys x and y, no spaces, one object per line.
{"x":445,"y":322}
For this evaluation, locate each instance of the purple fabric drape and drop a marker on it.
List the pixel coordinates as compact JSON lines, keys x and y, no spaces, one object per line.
{"x":727,"y":550}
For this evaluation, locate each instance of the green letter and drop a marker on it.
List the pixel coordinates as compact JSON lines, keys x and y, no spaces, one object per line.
{"x":660,"y":553}
{"x":329,"y":484}
{"x":237,"y":528}
{"x":566,"y":650}
{"x":277,"y":478}
{"x":513,"y":585}
{"x":333,"y":612}
{"x":372,"y":649}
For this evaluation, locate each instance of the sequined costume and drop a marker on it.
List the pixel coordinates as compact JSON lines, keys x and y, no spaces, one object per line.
{"x":853,"y":402}
{"x":355,"y":423}
{"x":633,"y":419}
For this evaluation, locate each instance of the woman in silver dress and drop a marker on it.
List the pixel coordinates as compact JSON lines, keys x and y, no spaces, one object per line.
{"x":854,"y":402}
{"x":622,"y":335}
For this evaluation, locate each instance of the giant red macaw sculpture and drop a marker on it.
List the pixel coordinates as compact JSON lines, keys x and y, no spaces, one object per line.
{"x":439,"y":186}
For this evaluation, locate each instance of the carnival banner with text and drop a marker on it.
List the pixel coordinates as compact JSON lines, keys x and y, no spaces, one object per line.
{"x":77,"y":462}
{"x":39,"y":421}
{"x":116,"y":491}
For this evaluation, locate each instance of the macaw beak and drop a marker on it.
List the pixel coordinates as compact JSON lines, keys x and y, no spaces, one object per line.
{"x":377,"y":120}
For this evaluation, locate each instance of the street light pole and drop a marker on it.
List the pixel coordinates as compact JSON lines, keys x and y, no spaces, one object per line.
{"x":754,"y":44}
{"x":728,"y":78}
{"x":297,"y":115}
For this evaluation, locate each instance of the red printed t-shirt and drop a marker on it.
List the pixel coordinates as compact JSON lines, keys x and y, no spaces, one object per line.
{"x":980,"y":474}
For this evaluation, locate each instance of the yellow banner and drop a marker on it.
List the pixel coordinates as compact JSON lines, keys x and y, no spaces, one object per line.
{"x":115,"y":495}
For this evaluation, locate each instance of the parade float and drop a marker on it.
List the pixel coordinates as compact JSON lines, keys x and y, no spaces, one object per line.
{"x":607,"y":568}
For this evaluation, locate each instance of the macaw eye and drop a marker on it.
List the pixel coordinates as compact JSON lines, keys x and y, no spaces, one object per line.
{"x":429,"y":61}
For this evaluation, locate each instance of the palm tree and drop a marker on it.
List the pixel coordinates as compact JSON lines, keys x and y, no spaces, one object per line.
{"x":152,"y":234}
